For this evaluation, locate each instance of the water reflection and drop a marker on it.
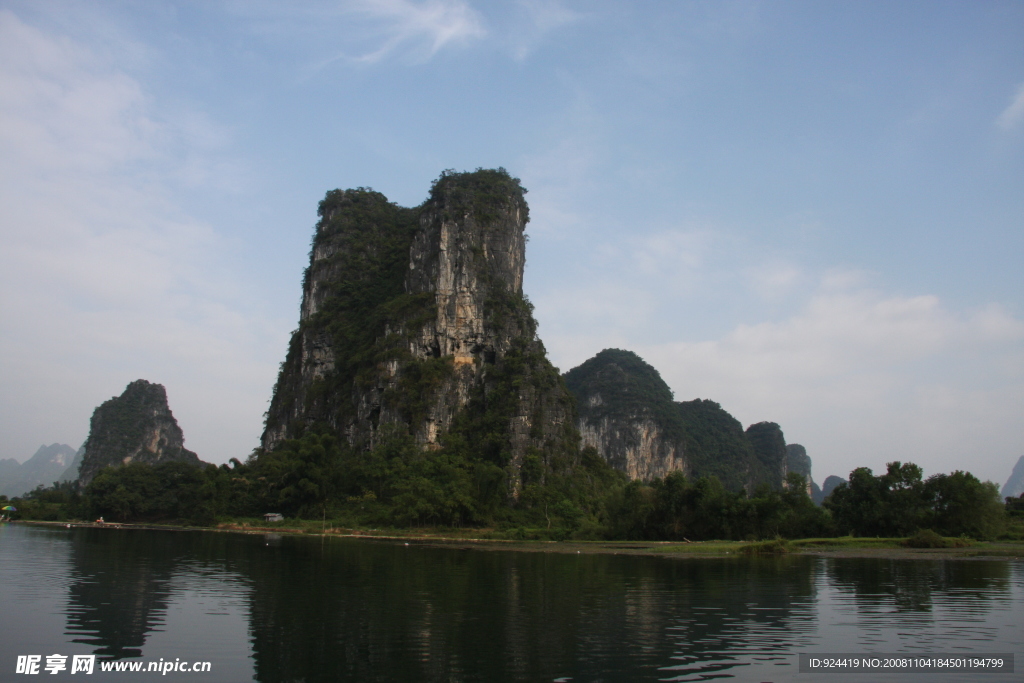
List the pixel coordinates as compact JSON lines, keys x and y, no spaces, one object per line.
{"x":288,"y":608}
{"x":923,"y":605}
{"x":360,"y":611}
{"x":910,"y":586}
{"x":119,"y":589}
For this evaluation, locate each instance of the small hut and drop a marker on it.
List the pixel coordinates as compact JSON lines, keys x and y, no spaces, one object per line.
{"x":273,"y":517}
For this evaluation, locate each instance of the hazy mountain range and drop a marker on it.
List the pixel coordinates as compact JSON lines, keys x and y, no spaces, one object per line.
{"x":56,"y":462}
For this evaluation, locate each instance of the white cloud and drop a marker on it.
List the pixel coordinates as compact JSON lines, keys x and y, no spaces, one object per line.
{"x":773,"y":281}
{"x":858,"y":376}
{"x":56,"y":113}
{"x":1013,"y":114}
{"x":428,"y":26}
{"x":862,"y":378}
{"x":103,"y":277}
{"x":542,"y":17}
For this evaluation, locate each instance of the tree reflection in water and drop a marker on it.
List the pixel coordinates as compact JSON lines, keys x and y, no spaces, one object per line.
{"x":346,"y":610}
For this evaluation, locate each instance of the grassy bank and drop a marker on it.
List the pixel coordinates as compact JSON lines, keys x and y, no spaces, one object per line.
{"x":936,"y":547}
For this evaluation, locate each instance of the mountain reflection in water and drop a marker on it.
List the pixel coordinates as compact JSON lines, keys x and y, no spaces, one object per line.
{"x":293,"y":608}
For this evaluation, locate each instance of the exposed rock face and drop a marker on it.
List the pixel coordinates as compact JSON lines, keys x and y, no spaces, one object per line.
{"x":1014,"y":486}
{"x":798,"y":461}
{"x":634,"y":445}
{"x":412,"y":317}
{"x":626,"y":412}
{"x":136,"y":426}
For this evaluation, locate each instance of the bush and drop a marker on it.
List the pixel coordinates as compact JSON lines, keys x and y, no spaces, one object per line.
{"x":777,"y":546}
{"x":926,"y":538}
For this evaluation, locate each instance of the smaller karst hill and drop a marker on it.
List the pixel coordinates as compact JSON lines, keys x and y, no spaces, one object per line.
{"x":627,"y":412}
{"x":136,"y":426}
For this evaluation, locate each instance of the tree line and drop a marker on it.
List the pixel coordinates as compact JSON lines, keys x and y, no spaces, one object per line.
{"x":398,"y":484}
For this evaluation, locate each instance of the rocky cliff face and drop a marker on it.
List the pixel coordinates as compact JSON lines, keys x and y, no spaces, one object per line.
{"x":136,"y":426}
{"x":414,"y":319}
{"x":635,"y":445}
{"x":626,"y":413}
{"x":799,"y":462}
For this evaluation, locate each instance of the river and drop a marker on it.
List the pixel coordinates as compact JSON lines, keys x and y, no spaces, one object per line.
{"x":279,"y":608}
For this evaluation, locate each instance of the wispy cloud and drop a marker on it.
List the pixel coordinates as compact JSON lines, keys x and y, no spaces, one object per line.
{"x":424,"y":27}
{"x":1013,"y":114}
{"x":103,"y":277}
{"x":541,"y":18}
{"x":876,"y":377}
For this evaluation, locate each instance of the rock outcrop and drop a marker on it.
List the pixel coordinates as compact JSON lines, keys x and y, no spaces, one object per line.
{"x":1014,"y":486}
{"x":136,"y":426}
{"x":626,"y":412}
{"x":770,"y":453}
{"x":414,"y":319}
{"x":799,"y":462}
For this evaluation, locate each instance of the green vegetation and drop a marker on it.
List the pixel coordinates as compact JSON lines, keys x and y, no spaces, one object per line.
{"x":926,"y":538}
{"x":770,"y":455}
{"x":510,"y":465}
{"x":117,"y":421}
{"x":716,"y":443}
{"x":898,"y":503}
{"x":485,"y":193}
{"x":318,"y":483}
{"x":713,"y":440}
{"x":675,"y":508}
{"x":362,"y":242}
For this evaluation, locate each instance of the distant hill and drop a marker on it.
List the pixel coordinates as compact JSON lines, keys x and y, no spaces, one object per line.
{"x":47,"y":466}
{"x":827,"y":486}
{"x":626,"y":411}
{"x":71,"y":473}
{"x":1014,"y":486}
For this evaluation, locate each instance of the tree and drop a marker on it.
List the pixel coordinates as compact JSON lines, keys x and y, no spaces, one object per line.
{"x":892,"y":504}
{"x":963,"y":505}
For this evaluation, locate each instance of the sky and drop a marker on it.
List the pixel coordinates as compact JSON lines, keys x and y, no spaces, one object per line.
{"x":809,"y":212}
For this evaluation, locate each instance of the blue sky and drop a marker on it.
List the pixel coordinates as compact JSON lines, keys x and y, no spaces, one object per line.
{"x":810,"y":212}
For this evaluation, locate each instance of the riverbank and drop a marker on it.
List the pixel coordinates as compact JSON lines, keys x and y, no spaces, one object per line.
{"x":476,"y":539}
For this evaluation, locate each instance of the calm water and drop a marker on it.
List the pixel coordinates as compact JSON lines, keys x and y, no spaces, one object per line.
{"x":272,"y":608}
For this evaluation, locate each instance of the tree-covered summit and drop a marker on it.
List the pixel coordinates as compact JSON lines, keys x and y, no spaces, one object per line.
{"x":618,"y":393}
{"x":622,"y":379}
